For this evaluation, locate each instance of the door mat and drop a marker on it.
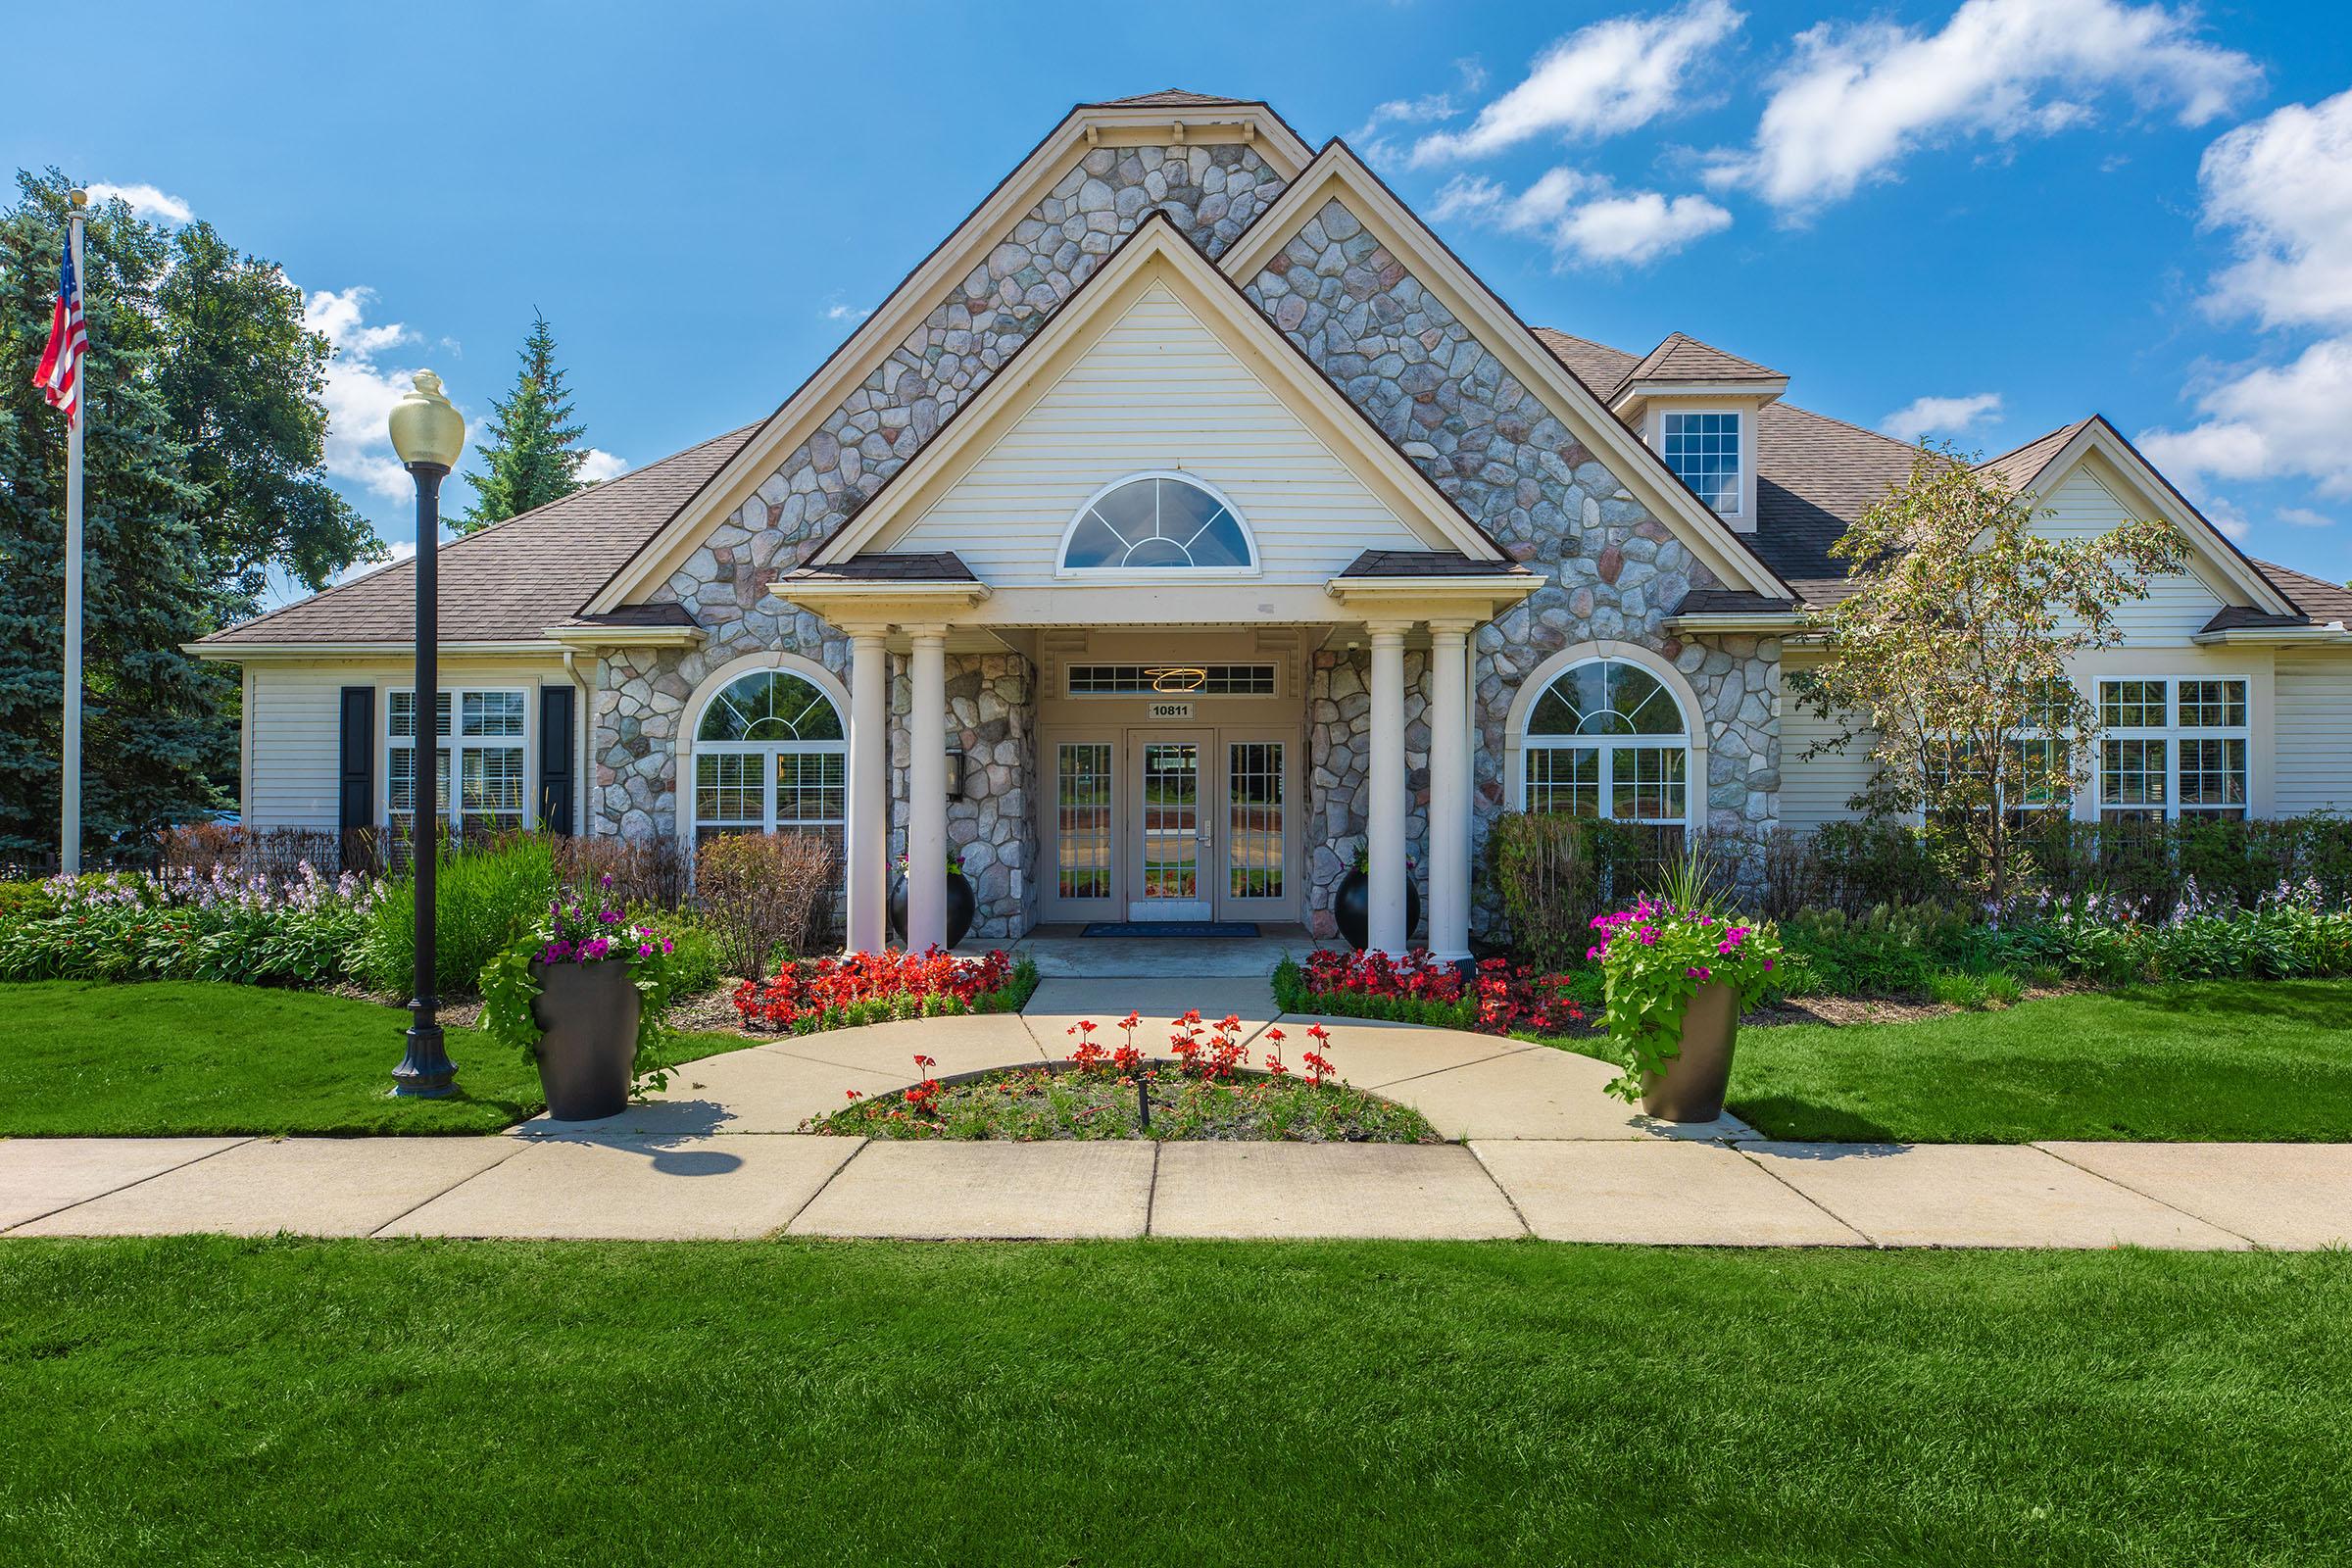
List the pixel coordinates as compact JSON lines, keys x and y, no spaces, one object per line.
{"x":1171,"y":928}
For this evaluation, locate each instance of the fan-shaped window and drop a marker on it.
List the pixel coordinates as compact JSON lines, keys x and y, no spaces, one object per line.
{"x":768,"y":758}
{"x":1608,"y":739}
{"x":1158,"y":522}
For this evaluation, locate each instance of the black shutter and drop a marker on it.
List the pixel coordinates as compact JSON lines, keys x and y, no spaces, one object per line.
{"x":355,"y":802}
{"x":555,"y":758}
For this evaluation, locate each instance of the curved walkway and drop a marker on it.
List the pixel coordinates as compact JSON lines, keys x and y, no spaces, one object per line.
{"x":1542,"y":1152}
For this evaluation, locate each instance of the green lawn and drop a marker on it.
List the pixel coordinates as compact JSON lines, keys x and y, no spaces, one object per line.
{"x":86,"y":1059}
{"x":2224,"y":1059}
{"x":197,"y":1400}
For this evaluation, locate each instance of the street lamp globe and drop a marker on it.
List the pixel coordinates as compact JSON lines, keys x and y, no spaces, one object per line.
{"x":426,"y":427}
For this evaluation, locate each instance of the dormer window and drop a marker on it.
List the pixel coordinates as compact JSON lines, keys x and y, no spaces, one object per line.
{"x":1703,"y":450}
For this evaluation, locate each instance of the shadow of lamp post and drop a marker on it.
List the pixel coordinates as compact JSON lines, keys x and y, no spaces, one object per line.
{"x":428,"y":433}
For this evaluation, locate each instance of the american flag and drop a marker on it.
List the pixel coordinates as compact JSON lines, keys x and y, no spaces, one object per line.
{"x":60,"y":374}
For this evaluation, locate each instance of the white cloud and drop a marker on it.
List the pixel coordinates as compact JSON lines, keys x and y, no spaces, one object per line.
{"x":1858,"y":98}
{"x":146,"y":201}
{"x":1583,"y":218}
{"x":1371,"y":138}
{"x":2305,"y":517}
{"x":836,"y":310}
{"x":2284,"y":185}
{"x":598,"y":465}
{"x":2270,"y":422}
{"x":360,"y":392}
{"x":1600,"y":80}
{"x":2223,"y":513}
{"x":1926,"y":417}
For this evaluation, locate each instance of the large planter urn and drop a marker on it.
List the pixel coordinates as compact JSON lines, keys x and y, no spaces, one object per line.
{"x":1693,"y":1083}
{"x":1351,"y":908}
{"x":961,"y":907}
{"x":587,"y":1014}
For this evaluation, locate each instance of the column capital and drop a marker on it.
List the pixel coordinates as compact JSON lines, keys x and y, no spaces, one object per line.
{"x":926,"y":631}
{"x":1388,"y":630}
{"x":1453,"y":627}
{"x":868,"y":632}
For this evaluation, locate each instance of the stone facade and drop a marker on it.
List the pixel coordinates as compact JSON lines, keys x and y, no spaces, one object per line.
{"x":1212,"y":193}
{"x":1613,"y":571}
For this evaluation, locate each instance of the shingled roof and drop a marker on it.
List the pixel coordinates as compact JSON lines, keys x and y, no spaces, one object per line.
{"x":1169,"y":98}
{"x":510,"y":581}
{"x":2019,"y":468}
{"x":1682,"y":358}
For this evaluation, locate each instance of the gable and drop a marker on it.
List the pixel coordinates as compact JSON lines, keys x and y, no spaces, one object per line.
{"x":1157,"y":389}
{"x":2086,"y":503}
{"x":963,"y":314}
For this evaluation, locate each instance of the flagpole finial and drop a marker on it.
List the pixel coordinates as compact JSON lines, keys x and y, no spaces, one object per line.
{"x":79,"y":197}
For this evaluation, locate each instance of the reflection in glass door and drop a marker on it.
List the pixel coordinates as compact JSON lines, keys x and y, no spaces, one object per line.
{"x":1081,"y":838}
{"x":1255,"y":850}
{"x":1172,"y":831}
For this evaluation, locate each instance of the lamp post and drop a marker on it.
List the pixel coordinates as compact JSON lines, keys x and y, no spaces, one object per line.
{"x":428,"y":433}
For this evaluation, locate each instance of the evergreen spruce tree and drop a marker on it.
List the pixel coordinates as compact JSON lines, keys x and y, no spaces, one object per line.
{"x":532,"y":455}
{"x":158,"y":729}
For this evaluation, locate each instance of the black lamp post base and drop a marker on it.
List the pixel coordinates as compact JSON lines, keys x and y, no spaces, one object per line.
{"x":425,"y":1072}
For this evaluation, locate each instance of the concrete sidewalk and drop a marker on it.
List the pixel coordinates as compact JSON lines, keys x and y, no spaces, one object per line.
{"x":651,"y":1185}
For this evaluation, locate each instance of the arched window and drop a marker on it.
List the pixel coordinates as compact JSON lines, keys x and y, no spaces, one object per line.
{"x":1159,"y":522}
{"x":1608,"y":738}
{"x":768,"y":756}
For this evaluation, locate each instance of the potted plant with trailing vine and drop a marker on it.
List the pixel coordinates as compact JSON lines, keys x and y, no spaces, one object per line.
{"x":1677,"y":973}
{"x":961,"y":904}
{"x":581,"y":996}
{"x":1351,"y":899}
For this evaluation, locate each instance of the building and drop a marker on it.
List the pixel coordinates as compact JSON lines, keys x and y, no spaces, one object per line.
{"x":1191,"y":518}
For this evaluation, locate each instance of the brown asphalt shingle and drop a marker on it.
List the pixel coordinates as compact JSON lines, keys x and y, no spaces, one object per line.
{"x":2017,"y":469}
{"x":1428,"y":564}
{"x":513,"y":579}
{"x":1684,"y":358}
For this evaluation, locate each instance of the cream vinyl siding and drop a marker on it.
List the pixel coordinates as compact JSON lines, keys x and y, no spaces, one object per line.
{"x":1815,"y":790}
{"x":294,"y":717}
{"x":2178,"y":605}
{"x":1158,"y":391}
{"x":2312,"y":742}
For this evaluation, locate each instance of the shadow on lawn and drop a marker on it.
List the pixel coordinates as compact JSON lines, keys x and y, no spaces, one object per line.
{"x":2318,"y":1003}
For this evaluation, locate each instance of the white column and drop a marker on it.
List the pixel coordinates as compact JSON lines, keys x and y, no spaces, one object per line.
{"x":1449,"y":790}
{"x":1385,"y":930}
{"x":927,"y":790}
{"x":868,"y":846}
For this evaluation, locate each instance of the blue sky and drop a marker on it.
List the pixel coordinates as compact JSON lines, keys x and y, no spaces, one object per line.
{"x":2065,"y":205}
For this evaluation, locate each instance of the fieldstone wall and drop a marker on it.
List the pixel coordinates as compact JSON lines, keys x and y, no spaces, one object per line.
{"x":1613,"y":571}
{"x":1339,"y":749}
{"x":1211,"y":192}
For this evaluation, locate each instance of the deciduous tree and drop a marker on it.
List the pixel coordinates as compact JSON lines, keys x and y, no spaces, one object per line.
{"x":1949,"y":658}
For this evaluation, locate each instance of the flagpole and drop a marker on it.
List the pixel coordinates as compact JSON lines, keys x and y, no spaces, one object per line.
{"x":69,"y":828}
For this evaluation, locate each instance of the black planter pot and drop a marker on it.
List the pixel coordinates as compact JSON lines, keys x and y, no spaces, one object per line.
{"x":961,"y":907}
{"x":1351,"y":908}
{"x":587,"y":1013}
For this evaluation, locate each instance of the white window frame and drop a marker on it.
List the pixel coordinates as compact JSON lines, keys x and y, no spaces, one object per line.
{"x":458,"y":745}
{"x":1694,"y":782}
{"x":768,"y":751}
{"x":2175,"y":735}
{"x":1742,"y":467}
{"x":1254,"y":567}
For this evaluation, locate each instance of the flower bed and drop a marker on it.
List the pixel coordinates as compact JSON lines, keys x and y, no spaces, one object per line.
{"x":187,"y":925}
{"x":810,"y":995}
{"x":1504,"y":998}
{"x":1206,"y":1088}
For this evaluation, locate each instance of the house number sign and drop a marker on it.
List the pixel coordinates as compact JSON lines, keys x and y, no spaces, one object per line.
{"x":1171,"y":710}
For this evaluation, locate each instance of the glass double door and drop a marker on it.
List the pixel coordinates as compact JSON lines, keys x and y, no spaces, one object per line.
{"x":1172,"y":825}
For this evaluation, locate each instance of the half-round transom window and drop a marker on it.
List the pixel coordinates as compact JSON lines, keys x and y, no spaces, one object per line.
{"x":773,"y":705}
{"x":1608,"y":739}
{"x":1158,"y":523}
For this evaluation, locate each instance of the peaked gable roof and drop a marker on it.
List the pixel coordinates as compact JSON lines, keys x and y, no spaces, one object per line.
{"x":1169,"y":98}
{"x":2019,"y":466}
{"x":508,"y":582}
{"x":1338,"y":174}
{"x":919,"y":293}
{"x":1681,"y":356}
{"x":1156,"y":251}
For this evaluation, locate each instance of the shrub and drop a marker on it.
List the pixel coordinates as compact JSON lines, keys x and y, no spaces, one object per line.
{"x":759,"y":895}
{"x":178,"y":925}
{"x":644,"y":873}
{"x":486,"y":898}
{"x":1554,"y":872}
{"x":693,"y":961}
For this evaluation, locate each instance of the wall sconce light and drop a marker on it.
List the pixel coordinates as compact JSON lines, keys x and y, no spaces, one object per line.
{"x":954,"y":772}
